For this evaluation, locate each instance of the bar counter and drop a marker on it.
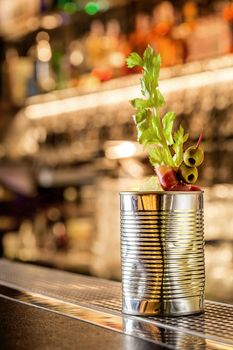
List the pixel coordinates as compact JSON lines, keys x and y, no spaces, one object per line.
{"x":42,"y":308}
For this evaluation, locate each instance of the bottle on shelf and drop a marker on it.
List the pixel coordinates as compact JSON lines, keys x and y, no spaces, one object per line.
{"x":162,"y":37}
{"x":140,"y":37}
{"x":209,"y":35}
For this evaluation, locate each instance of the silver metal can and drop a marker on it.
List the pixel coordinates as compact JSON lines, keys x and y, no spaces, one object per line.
{"x":162,"y":253}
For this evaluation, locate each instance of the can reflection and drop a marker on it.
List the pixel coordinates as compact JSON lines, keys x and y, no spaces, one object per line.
{"x":172,"y":338}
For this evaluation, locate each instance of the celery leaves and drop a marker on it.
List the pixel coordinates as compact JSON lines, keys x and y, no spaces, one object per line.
{"x":134,"y":60}
{"x":168,"y":121}
{"x":154,"y":131}
{"x":179,"y":139}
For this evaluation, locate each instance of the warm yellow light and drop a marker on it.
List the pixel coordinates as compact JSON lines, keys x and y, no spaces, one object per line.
{"x":59,"y":229}
{"x":117,"y":59}
{"x":120,"y":149}
{"x":70,"y":194}
{"x":76,"y":57}
{"x":53,"y":214}
{"x":117,"y":96}
{"x":51,"y":21}
{"x":44,"y":53}
{"x":218,"y":346}
{"x":42,"y":36}
{"x":78,"y":103}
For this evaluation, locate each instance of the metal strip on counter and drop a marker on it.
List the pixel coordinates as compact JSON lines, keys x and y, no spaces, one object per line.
{"x":98,"y":302}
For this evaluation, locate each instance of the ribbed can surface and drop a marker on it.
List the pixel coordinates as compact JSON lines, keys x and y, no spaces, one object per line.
{"x":162,"y":253}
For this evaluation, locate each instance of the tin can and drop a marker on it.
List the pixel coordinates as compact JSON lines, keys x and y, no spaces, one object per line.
{"x":162,"y":253}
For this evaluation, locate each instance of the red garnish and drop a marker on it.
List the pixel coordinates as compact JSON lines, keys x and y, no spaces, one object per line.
{"x":167,"y":177}
{"x":170,"y":182}
{"x":199,"y":140}
{"x":181,"y":186}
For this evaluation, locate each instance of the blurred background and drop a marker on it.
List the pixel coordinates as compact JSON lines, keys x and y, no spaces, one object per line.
{"x":67,"y":138}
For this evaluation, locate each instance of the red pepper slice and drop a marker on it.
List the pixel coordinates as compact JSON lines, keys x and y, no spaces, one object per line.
{"x":170,"y":182}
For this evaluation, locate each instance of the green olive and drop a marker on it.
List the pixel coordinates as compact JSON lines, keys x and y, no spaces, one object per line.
{"x":188,"y":174}
{"x":193,"y":156}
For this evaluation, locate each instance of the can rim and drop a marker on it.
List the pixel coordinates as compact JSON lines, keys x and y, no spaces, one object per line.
{"x":161,"y":192}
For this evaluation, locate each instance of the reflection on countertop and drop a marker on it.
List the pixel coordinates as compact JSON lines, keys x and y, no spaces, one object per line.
{"x":98,"y":302}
